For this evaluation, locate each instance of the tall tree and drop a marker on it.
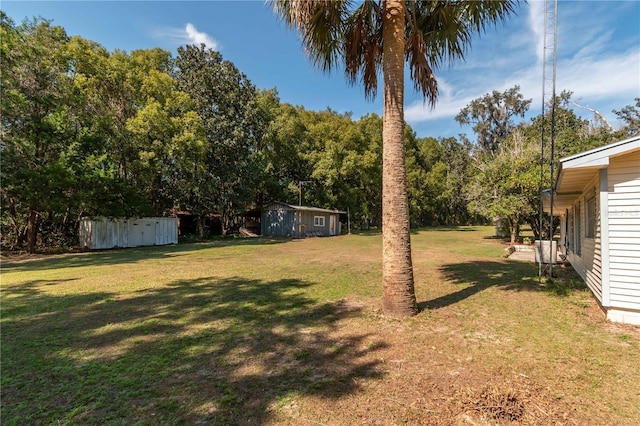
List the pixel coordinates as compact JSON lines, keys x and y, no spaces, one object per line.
{"x":437,"y":170}
{"x":630,"y":115}
{"x":371,"y":212}
{"x":344,"y":163}
{"x":457,"y":157}
{"x":36,"y":122}
{"x":167,"y":135}
{"x":427,"y":179}
{"x":280,"y":151}
{"x":507,"y":184}
{"x":372,"y":35}
{"x":491,"y":117}
{"x":226,"y":101}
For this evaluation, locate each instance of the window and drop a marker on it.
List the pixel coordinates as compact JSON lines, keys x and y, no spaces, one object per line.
{"x":590,"y":218}
{"x":318,"y":221}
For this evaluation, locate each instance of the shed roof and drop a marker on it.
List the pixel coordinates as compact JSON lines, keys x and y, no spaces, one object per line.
{"x":309,"y":209}
{"x":577,"y":170}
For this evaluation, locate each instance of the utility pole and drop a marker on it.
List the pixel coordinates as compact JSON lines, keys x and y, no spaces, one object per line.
{"x":299,"y":215}
{"x":300,"y":183}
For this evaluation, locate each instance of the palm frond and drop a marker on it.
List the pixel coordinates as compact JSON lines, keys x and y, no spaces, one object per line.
{"x":440,"y":32}
{"x":437,"y":32}
{"x":363,"y":46}
{"x":448,"y":26}
{"x":320,"y":25}
{"x":416,"y":54}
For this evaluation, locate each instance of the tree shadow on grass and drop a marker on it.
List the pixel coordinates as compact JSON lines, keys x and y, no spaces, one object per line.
{"x":495,"y":237}
{"x":480,"y":275}
{"x":443,"y":228}
{"x":129,"y":255}
{"x":209,"y":351}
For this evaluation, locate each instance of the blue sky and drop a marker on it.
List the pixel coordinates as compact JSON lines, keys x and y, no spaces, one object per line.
{"x":598,"y":53}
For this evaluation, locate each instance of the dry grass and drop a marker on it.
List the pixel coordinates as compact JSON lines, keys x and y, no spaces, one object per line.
{"x":290,"y":332}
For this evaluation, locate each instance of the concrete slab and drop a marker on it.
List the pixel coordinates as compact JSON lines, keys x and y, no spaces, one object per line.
{"x":523,"y":256}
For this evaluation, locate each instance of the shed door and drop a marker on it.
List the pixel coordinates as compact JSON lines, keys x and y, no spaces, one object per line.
{"x":332,"y":225}
{"x":148,"y":232}
{"x":142,"y":233}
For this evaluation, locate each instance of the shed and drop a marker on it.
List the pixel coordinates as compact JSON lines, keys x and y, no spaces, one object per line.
{"x":597,"y":197}
{"x":286,"y":220}
{"x":104,"y":233}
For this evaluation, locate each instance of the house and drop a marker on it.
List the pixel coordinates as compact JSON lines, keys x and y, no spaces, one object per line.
{"x":286,"y":220}
{"x":597,"y":196}
{"x":103,"y":233}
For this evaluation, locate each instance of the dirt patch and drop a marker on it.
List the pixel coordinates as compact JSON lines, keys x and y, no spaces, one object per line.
{"x":419,"y":380}
{"x":624,"y":331}
{"x":509,"y":402}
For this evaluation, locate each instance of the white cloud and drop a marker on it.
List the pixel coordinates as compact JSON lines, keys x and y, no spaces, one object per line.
{"x":196,"y":37}
{"x":603,"y":77}
{"x":536,"y":23}
{"x":590,"y":63}
{"x":188,"y":35}
{"x":449,"y":104}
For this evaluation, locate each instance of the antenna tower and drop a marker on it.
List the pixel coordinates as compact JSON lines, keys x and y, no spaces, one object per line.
{"x":550,"y":23}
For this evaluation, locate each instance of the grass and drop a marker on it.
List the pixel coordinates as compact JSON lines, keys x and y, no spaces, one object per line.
{"x":275,"y":331}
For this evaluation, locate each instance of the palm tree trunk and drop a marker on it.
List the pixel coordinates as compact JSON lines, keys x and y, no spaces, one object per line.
{"x":398,"y":296}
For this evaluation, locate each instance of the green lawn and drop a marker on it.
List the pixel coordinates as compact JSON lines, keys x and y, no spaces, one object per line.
{"x":274,"y":331}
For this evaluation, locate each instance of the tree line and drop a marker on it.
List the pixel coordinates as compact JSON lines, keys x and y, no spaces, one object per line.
{"x":87,"y":132}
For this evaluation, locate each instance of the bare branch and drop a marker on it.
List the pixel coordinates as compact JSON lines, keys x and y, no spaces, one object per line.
{"x":597,"y":113}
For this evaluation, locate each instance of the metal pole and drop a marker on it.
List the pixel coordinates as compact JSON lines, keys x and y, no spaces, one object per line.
{"x":542,"y":161}
{"x":541,"y":206}
{"x":553,"y":134}
{"x":550,"y":23}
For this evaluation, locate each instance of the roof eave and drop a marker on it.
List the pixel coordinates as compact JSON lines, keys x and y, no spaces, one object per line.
{"x":576,"y":171}
{"x":309,"y":208}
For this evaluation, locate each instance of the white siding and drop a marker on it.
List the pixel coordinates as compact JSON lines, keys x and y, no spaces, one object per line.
{"x":588,"y":266}
{"x":84,"y":233}
{"x":111,"y":233}
{"x":624,"y":231}
{"x":589,"y":262}
{"x":166,"y":230}
{"x":103,"y":233}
